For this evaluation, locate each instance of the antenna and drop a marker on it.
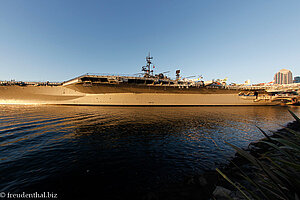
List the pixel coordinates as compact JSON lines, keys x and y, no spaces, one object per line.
{"x":190,"y":77}
{"x":147,"y":68}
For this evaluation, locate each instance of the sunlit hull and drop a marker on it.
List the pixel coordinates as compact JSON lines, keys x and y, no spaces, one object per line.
{"x":63,"y":95}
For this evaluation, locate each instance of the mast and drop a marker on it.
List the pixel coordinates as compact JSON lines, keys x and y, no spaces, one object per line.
{"x":147,"y":69}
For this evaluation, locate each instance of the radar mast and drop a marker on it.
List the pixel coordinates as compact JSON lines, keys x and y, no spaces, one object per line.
{"x":147,"y":69}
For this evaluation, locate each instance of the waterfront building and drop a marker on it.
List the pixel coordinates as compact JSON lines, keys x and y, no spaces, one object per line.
{"x":297,"y":79}
{"x":284,"y":76}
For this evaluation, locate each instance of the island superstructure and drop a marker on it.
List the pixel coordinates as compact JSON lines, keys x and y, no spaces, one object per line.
{"x":146,"y":90}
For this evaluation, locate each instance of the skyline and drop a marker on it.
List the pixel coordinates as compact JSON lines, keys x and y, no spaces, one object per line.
{"x":59,"y":40}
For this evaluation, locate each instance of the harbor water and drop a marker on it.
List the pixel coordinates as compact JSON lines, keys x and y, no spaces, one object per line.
{"x":117,"y":152}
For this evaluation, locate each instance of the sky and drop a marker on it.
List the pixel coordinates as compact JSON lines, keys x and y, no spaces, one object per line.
{"x":56,"y":40}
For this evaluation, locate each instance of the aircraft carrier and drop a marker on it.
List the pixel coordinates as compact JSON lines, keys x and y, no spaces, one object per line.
{"x":144,"y":90}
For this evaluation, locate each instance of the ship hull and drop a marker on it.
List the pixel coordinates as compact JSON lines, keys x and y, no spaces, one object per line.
{"x":143,"y":88}
{"x":65,"y":96}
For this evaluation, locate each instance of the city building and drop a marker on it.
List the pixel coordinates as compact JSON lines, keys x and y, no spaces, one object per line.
{"x":297,"y":79}
{"x":284,"y":76}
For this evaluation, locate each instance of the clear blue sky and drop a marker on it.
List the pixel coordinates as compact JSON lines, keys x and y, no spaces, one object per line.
{"x":58,"y":39}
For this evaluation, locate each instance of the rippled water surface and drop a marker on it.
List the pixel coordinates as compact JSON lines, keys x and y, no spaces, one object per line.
{"x":119,"y":151}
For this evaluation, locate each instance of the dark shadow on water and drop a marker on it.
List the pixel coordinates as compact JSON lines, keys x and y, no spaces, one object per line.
{"x":117,"y":152}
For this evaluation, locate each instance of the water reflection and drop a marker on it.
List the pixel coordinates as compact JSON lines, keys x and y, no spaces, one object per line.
{"x":127,"y":149}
